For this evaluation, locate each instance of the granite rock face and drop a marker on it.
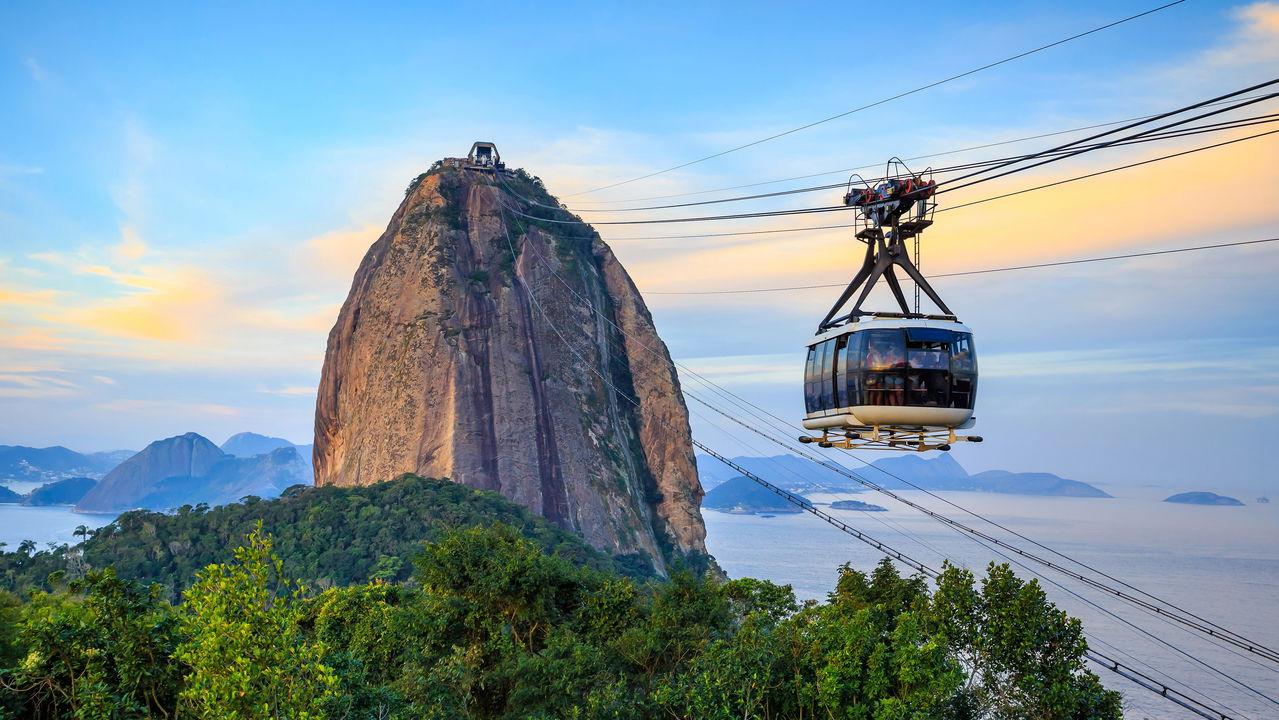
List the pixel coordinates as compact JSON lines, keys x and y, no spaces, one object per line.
{"x":510,"y":354}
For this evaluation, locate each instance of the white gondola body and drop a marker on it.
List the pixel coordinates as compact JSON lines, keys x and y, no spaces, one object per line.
{"x":898,"y":373}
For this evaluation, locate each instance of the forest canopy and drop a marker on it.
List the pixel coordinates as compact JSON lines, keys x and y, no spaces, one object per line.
{"x":495,"y":619}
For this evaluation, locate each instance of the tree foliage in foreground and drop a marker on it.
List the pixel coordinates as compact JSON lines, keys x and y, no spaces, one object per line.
{"x":493,"y":626}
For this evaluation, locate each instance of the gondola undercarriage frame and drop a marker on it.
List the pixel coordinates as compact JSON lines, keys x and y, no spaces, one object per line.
{"x":889,"y":438}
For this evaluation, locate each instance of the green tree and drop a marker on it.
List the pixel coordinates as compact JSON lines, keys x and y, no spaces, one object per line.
{"x":245,"y":649}
{"x":99,"y":648}
{"x":1025,"y":657}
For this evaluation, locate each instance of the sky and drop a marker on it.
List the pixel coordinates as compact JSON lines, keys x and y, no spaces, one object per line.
{"x":185,"y":192}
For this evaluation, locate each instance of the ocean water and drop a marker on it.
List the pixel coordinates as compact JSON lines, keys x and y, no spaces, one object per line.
{"x":1221,"y":563}
{"x":53,"y":524}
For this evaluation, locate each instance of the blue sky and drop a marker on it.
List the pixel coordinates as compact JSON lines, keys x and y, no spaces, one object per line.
{"x":185,"y":192}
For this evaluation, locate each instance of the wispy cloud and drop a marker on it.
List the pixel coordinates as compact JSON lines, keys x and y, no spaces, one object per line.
{"x":771,"y":369}
{"x":153,"y":407}
{"x":35,"y":70}
{"x":290,"y":390}
{"x":35,"y":385}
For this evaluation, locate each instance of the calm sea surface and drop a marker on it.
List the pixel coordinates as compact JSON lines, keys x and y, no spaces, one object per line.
{"x":1221,"y":563}
{"x":55,"y":524}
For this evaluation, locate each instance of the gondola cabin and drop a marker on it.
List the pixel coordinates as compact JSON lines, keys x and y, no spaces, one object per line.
{"x":892,"y":380}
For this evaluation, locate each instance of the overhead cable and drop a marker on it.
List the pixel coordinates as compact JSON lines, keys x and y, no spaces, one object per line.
{"x":898,"y":96}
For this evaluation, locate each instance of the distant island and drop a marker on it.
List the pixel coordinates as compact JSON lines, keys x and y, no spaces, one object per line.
{"x":941,"y":472}
{"x":743,"y":496}
{"x":1202,"y":498}
{"x":856,"y":505}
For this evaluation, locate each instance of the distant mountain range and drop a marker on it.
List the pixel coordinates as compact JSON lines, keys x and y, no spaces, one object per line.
{"x":250,"y":444}
{"x":189,"y":469}
{"x":29,"y":464}
{"x":941,"y":472}
{"x":169,"y":473}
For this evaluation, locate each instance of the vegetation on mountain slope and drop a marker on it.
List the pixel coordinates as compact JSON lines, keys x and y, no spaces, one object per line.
{"x":327,"y":536}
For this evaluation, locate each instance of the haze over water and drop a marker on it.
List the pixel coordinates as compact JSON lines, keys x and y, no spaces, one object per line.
{"x":1219,"y":562}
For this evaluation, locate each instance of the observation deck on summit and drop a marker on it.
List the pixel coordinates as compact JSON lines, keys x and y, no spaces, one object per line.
{"x":483,"y":156}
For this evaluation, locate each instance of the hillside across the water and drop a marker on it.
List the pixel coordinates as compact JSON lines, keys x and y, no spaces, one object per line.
{"x":327,"y":536}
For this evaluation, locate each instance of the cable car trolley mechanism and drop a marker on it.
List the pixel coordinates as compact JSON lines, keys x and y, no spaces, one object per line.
{"x":898,"y":380}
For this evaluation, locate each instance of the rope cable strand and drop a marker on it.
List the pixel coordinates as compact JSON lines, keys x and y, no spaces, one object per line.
{"x":1122,"y":142}
{"x":898,"y":96}
{"x":871,"y":166}
{"x":845,"y":208}
{"x":983,"y":271}
{"x":1144,"y":133}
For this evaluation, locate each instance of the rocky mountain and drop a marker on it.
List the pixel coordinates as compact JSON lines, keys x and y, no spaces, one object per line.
{"x":8,"y":496}
{"x":189,"y":469}
{"x":1203,"y":498}
{"x":29,"y":464}
{"x":250,"y":444}
{"x":940,"y":472}
{"x":61,"y":492}
{"x":510,"y":354}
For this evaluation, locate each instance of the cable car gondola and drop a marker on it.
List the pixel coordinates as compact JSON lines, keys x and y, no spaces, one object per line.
{"x":901,"y":380}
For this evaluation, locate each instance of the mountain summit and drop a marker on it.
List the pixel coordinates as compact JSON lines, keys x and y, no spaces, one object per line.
{"x":535,"y":373}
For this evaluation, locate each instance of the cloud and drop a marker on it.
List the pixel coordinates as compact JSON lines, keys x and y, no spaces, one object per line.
{"x":131,"y":248}
{"x":33,"y":385}
{"x":290,"y":391}
{"x":1255,"y":40}
{"x":165,"y":407}
{"x":1193,"y":359}
{"x":337,"y":253}
{"x":38,"y":340}
{"x":173,"y":305}
{"x":13,"y":171}
{"x":770,"y":369}
{"x":15,"y":296}
{"x":35,"y":70}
